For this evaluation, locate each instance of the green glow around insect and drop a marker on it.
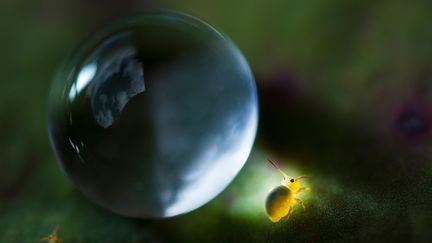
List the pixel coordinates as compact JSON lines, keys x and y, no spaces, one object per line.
{"x":255,"y":182}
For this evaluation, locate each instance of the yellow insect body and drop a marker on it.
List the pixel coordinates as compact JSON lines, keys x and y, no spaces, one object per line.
{"x":280,"y":201}
{"x":52,"y":238}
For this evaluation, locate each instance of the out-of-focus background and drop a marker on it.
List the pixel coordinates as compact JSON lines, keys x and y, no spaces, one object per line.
{"x":345,"y":95}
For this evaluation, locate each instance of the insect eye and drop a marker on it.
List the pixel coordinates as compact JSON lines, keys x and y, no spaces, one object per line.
{"x":292,"y":180}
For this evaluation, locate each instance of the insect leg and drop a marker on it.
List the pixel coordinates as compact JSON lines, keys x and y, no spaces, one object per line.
{"x":43,"y":239}
{"x":301,"y":203}
{"x":301,"y":189}
{"x":289,"y":214}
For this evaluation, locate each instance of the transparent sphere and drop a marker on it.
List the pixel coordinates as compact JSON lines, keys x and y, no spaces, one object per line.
{"x":154,"y":115}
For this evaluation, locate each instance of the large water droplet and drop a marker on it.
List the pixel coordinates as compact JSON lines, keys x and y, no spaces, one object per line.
{"x":154,"y":115}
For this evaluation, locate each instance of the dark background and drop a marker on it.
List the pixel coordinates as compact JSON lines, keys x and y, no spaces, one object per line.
{"x":345,"y":96}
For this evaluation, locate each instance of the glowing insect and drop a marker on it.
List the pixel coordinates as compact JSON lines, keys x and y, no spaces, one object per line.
{"x":279,"y":203}
{"x":53,"y":237}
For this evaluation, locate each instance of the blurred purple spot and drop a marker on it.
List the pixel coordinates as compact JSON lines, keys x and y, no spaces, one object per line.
{"x":282,"y":86}
{"x":412,"y":120}
{"x":228,"y":199}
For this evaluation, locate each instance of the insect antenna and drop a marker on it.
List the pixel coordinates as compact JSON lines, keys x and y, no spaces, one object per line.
{"x":277,"y":167}
{"x":56,"y":228}
{"x":303,"y":177}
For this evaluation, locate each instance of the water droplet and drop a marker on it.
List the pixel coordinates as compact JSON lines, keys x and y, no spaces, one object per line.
{"x":154,"y":115}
